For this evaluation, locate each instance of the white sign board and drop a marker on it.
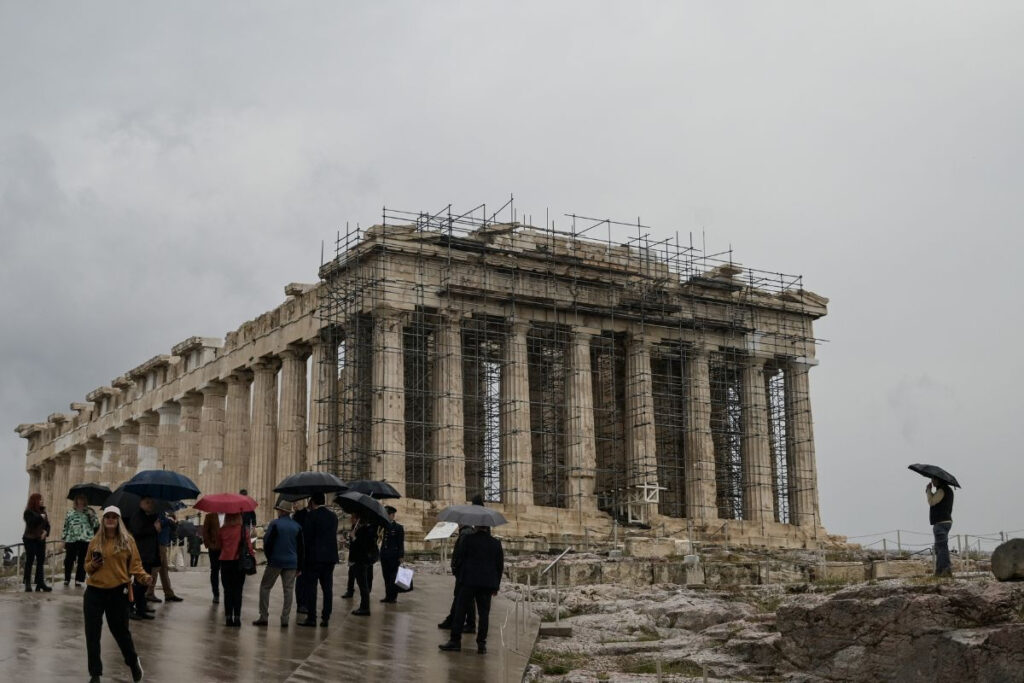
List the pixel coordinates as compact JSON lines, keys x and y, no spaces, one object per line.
{"x":441,"y":531}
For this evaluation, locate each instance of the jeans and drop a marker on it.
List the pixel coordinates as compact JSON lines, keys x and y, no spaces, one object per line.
{"x":35,"y":550}
{"x":112,"y":602}
{"x":234,"y":580}
{"x":942,"y":562}
{"x":215,"y":572}
{"x":75,"y":552}
{"x":270,"y":575}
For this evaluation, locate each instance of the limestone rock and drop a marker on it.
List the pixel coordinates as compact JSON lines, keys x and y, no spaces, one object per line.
{"x":1008,"y":560}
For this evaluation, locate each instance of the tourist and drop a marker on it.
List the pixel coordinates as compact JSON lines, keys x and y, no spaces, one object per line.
{"x":302,"y":579}
{"x":350,"y":585}
{"x":165,"y":541}
{"x":195,"y":549}
{"x":481,"y":564}
{"x":282,"y":546}
{"x":211,"y":539}
{"x":392,"y":550}
{"x":470,"y":624}
{"x":145,"y":528}
{"x":113,"y":559}
{"x":80,"y":525}
{"x":248,"y":517}
{"x":320,"y":538}
{"x":940,"y":516}
{"x":363,"y":555}
{"x":232,"y":535}
{"x":37,"y":528}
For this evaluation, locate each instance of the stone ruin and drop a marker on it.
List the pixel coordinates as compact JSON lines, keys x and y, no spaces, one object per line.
{"x":577,"y":385}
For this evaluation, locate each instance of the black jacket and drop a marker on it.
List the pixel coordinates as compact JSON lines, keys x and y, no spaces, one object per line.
{"x":141,"y":526}
{"x":393,"y":545}
{"x":35,"y":524}
{"x":363,"y":547}
{"x":481,"y":561}
{"x":320,"y":537}
{"x":463,"y":532}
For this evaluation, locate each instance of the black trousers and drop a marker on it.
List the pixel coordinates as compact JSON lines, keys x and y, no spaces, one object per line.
{"x":112,"y":602}
{"x":193,"y":560}
{"x":470,"y":618}
{"x":35,"y":551}
{"x":321,"y":573}
{"x":364,"y":580}
{"x":75,"y":552}
{"x":389,"y":570}
{"x":351,"y":585}
{"x":481,"y":597}
{"x":233,"y":577}
{"x":215,"y":572}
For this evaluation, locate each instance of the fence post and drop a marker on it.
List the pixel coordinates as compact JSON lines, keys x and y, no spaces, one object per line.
{"x":899,"y":543}
{"x":959,"y":546}
{"x":1002,"y":537}
{"x":885,"y":550}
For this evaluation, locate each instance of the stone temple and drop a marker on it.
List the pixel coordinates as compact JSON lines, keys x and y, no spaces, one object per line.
{"x":577,"y":384}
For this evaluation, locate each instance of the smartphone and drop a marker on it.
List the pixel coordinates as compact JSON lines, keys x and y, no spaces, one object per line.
{"x":97,"y":556}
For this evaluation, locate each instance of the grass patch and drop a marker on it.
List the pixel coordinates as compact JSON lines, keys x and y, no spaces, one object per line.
{"x":558,"y":663}
{"x":682,"y":667}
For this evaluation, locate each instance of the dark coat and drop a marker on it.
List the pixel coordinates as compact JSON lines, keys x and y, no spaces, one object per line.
{"x":393,"y":545}
{"x":320,"y":537}
{"x":363,"y":547}
{"x":463,"y":532}
{"x":481,"y":561}
{"x":36,"y":524}
{"x":141,"y":526}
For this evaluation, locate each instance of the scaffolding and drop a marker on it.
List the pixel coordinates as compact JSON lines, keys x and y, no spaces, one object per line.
{"x":477,"y":295}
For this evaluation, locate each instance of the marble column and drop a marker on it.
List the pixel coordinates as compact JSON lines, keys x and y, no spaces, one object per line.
{"x":514,"y":419}
{"x":263,"y":463}
{"x":387,"y":430}
{"x":34,"y":478}
{"x":450,"y":457}
{"x":93,"y":461}
{"x":189,"y":436}
{"x":641,"y":462}
{"x":322,"y":436}
{"x":147,"y":452}
{"x":111,"y":456}
{"x":212,"y":428}
{"x":46,"y":485}
{"x":237,"y":437}
{"x":58,"y":503}
{"x":754,"y":447}
{"x":167,"y":436}
{"x":129,"y":452}
{"x":580,"y":444}
{"x":803,"y":468}
{"x":699,"y":467}
{"x":291,"y":428}
{"x":76,"y":472}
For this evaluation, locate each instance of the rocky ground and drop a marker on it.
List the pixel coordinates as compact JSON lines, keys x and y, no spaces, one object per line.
{"x":923,"y":629}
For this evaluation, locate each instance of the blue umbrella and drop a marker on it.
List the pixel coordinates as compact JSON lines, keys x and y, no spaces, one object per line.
{"x":162,"y":484}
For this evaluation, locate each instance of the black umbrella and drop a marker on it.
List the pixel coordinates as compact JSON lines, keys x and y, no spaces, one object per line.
{"x":128,"y":502}
{"x":94,"y":494}
{"x":363,"y":505}
{"x":935,"y":471}
{"x":308,"y":483}
{"x":162,"y":484}
{"x":186,"y":529}
{"x":292,"y":497}
{"x":472,"y":515}
{"x":378,"y":489}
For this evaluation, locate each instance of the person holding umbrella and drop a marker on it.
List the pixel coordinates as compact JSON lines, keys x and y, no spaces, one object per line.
{"x":320,"y":539}
{"x":80,"y":525}
{"x":211,"y":539}
{"x":940,"y":516}
{"x":481,"y":564}
{"x":145,"y":528}
{"x":392,"y":550}
{"x":363,"y":555}
{"x":113,"y":561}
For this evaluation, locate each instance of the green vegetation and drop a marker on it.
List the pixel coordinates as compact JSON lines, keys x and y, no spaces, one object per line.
{"x":682,"y":667}
{"x":558,"y":663}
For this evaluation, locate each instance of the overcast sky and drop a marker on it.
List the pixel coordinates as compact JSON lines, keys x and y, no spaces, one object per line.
{"x":165,"y":169}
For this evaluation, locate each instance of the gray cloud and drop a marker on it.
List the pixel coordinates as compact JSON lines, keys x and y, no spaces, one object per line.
{"x":164,"y":172}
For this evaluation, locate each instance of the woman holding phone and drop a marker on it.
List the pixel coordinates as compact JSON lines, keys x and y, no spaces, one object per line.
{"x":113,"y":559}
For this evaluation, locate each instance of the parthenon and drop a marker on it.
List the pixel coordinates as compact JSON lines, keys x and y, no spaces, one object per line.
{"x":574,"y":383}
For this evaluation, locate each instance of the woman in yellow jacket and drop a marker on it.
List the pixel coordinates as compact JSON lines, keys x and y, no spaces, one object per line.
{"x":113,"y":559}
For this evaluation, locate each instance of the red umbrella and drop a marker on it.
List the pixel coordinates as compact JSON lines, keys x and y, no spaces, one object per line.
{"x":226,"y":503}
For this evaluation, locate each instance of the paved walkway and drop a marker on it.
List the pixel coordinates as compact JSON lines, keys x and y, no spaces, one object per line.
{"x":41,"y":639}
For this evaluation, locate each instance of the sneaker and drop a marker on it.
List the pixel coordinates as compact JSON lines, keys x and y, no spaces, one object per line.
{"x":137,"y":670}
{"x":260,"y":622}
{"x":78,"y":584}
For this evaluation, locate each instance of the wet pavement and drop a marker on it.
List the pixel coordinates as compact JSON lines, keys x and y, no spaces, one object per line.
{"x":42,"y":638}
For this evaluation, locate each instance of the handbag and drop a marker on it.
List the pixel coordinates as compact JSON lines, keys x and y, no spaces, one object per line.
{"x":246,"y":562}
{"x":403,"y":581}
